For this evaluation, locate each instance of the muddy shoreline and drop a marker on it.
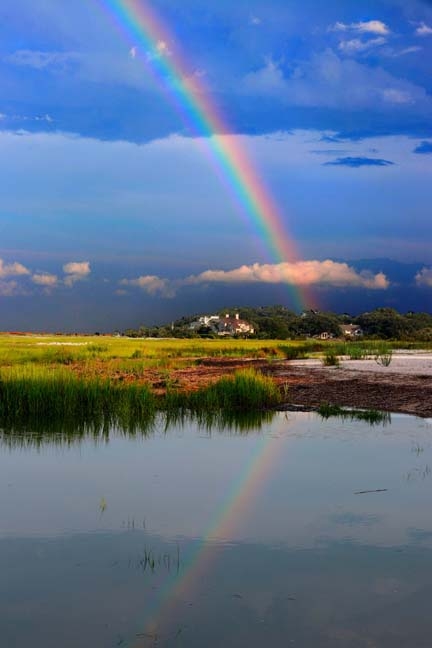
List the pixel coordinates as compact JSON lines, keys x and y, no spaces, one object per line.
{"x":405,"y":387}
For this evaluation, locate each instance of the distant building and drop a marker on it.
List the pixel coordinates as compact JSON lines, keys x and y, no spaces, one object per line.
{"x":223,"y":325}
{"x":234,"y":326}
{"x":324,"y":335}
{"x":351,"y":330}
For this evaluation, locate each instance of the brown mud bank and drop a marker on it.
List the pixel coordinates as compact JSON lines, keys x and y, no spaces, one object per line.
{"x":403,"y":388}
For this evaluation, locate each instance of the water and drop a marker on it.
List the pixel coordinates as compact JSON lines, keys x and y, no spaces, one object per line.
{"x":195,"y":538}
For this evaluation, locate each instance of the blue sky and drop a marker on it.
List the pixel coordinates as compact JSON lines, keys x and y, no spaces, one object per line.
{"x":110,"y":213}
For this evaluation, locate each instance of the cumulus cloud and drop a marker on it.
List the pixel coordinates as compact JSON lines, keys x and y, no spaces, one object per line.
{"x":45,"y":279}
{"x":423,"y":30}
{"x":302,"y":273}
{"x":76,"y":271}
{"x":424,"y":277}
{"x":42,"y":60}
{"x":151,"y":284}
{"x":365,"y":27}
{"x":12,"y":269}
{"x":356,"y":162}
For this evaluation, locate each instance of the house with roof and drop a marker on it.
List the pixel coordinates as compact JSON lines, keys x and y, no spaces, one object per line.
{"x":234,"y":326}
{"x":223,"y":325}
{"x":351,"y":330}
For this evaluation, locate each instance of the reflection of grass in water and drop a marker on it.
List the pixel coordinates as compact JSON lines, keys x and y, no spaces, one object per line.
{"x":60,"y":401}
{"x":149,"y":560}
{"x":64,"y":408}
{"x":373,"y":417}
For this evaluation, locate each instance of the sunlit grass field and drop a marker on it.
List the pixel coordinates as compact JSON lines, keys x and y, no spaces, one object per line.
{"x":97,"y":355}
{"x":94,"y":382}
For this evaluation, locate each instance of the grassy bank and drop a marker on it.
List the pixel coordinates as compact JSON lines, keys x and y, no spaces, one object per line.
{"x":35,"y":397}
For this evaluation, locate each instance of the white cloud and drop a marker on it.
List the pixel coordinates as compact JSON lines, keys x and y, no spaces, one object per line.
{"x":365,"y":27}
{"x":21,"y":118}
{"x":9,"y":288}
{"x":396,"y":96}
{"x":161,"y":50}
{"x":356,"y":46}
{"x":424,"y":277}
{"x":301,"y":273}
{"x":407,"y":50}
{"x":45,"y":279}
{"x":42,"y":60}
{"x":423,"y":30}
{"x":12,"y":269}
{"x":151,"y":284}
{"x":76,"y":271}
{"x":254,"y":20}
{"x":133,"y":52}
{"x":77,"y":267}
{"x":328,"y":80}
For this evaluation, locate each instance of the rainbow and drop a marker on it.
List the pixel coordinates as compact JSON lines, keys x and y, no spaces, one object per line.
{"x":238,"y":501}
{"x":151,"y":41}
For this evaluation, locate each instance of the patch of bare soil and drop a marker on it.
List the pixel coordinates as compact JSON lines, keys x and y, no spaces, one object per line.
{"x":310,"y":386}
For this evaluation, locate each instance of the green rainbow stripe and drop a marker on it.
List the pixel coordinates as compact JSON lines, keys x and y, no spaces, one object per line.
{"x":157,"y":48}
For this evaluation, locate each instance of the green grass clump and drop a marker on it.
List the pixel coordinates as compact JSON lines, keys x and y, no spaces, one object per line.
{"x":35,"y":398}
{"x":330,"y":359}
{"x":245,"y":391}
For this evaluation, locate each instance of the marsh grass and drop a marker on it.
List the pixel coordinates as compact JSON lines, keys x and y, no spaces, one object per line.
{"x":330,"y":359}
{"x":246,"y":390}
{"x":58,"y":402}
{"x":42,"y":399}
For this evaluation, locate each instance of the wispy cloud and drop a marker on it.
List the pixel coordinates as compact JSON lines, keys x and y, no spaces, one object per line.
{"x":9,"y":288}
{"x":76,"y":271}
{"x":403,"y":52}
{"x":151,"y":284}
{"x":333,"y":81}
{"x":357,"y":46}
{"x":356,"y":162}
{"x":12,"y":269}
{"x":423,"y":30}
{"x":365,"y":27}
{"x":424,"y":277}
{"x":42,"y":60}
{"x":424,"y":148}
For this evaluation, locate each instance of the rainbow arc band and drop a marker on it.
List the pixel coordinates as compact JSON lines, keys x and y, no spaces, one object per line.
{"x":152,"y":42}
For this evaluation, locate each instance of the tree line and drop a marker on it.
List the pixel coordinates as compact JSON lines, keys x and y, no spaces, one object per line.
{"x":278,"y":322}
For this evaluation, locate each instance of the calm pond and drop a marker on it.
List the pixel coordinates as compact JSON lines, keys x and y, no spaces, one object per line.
{"x":298,"y":532}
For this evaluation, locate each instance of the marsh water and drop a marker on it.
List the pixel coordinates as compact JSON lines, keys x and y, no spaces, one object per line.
{"x":296,"y":532}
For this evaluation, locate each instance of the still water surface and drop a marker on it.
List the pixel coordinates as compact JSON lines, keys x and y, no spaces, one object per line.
{"x":190,"y":537}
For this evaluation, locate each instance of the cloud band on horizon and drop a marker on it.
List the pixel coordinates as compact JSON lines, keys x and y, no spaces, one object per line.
{"x":301,"y":273}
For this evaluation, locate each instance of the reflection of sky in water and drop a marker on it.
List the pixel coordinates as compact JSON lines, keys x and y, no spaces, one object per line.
{"x":174,"y":483}
{"x":96,"y":538}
